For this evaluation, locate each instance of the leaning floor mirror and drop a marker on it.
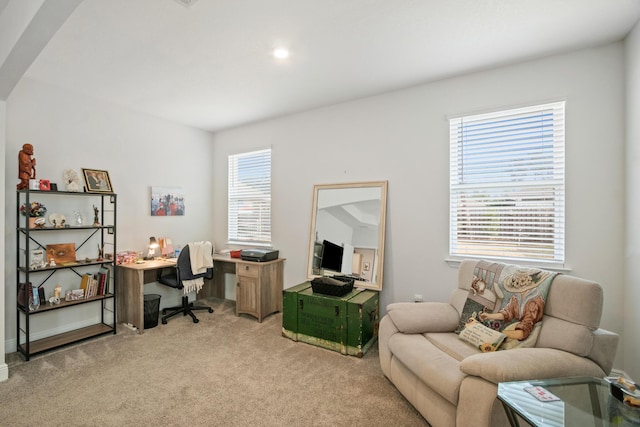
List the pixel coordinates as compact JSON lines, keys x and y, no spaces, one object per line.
{"x":347,"y":232}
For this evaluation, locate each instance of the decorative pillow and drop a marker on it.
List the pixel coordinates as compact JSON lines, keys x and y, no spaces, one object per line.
{"x":482,"y":296}
{"x":478,"y":335}
{"x":520,"y":294}
{"x":473,"y":306}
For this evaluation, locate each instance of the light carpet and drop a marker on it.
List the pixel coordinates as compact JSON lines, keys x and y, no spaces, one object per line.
{"x":227,"y":370}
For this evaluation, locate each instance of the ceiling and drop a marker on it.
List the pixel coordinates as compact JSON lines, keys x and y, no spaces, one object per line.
{"x":209,"y":65}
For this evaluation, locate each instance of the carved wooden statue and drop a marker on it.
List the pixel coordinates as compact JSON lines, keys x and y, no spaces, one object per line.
{"x":26,"y":166}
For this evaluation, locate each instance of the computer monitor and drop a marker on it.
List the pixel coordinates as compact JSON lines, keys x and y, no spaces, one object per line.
{"x":331,"y":256}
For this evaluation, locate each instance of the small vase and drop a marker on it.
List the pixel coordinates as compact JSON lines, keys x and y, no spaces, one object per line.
{"x":32,"y":222}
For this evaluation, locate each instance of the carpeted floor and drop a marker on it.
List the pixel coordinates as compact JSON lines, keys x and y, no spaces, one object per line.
{"x":224,"y":371}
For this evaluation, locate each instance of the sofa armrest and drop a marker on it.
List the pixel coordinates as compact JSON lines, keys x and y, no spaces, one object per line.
{"x":419,"y":318}
{"x":529,"y":363}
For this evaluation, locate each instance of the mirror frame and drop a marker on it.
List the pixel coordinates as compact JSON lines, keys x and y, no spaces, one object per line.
{"x":376,"y":282}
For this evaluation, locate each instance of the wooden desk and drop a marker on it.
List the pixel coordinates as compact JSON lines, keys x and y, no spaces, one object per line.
{"x":259,"y":286}
{"x":130,"y":289}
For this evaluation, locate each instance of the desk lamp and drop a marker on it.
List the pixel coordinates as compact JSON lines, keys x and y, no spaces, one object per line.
{"x":153,"y":244}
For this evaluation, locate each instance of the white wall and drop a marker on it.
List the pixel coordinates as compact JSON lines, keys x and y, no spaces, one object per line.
{"x":631,"y":338}
{"x":139,"y":151}
{"x":402,"y":137}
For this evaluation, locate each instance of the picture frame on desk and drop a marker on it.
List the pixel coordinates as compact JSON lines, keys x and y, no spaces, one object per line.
{"x":96,"y":181}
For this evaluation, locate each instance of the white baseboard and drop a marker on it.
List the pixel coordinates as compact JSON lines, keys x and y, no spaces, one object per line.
{"x":4,"y":372}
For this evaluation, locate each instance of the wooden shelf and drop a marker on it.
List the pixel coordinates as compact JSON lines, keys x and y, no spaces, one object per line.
{"x":67,"y":266}
{"x":65,"y":338}
{"x":65,"y":304}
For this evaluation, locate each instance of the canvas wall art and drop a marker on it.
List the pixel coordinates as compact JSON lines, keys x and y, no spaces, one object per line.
{"x":167,"y":201}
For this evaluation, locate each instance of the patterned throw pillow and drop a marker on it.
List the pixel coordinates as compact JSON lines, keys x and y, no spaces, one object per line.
{"x":517,"y":294}
{"x":482,"y":296}
{"x":478,"y":335}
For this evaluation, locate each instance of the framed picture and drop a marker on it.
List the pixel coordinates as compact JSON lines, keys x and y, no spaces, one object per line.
{"x":96,"y":181}
{"x":45,"y":185}
{"x":38,"y":259}
{"x":167,"y":201}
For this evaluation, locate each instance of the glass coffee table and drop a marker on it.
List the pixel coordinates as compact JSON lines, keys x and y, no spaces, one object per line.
{"x":583,"y":402}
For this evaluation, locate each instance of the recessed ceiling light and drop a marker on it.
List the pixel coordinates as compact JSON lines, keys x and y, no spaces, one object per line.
{"x":281,"y":53}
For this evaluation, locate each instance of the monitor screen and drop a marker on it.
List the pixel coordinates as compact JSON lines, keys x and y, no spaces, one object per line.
{"x":331,"y":256}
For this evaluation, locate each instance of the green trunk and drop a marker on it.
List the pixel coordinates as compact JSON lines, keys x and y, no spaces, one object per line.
{"x":348,"y":324}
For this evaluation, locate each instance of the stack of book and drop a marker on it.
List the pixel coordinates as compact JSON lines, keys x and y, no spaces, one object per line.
{"x":96,"y":284}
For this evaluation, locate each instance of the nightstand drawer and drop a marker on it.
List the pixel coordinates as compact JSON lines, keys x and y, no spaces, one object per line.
{"x":247,"y":270}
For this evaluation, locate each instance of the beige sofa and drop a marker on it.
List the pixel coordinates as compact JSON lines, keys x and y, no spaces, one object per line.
{"x":451,"y":383}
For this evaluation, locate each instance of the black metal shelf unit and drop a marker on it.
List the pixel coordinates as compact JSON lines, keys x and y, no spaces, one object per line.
{"x":29,"y":238}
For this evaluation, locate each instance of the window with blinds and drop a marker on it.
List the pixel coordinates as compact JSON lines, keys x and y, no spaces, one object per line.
{"x":249,"y":204}
{"x":507,"y":184}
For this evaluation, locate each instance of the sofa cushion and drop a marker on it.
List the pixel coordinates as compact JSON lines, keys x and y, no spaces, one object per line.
{"x":526,"y":363}
{"x":567,"y":336}
{"x":451,"y":344}
{"x":412,"y":318}
{"x":437,"y":369}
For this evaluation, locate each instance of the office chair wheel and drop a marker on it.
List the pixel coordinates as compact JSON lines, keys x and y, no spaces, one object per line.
{"x":195,"y":320}
{"x":164,"y":321}
{"x":210,"y":310}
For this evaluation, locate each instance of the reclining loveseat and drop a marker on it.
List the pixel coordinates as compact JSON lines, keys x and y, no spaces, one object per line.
{"x":454,"y":383}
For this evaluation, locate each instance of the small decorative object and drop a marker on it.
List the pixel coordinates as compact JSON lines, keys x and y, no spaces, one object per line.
{"x":96,"y":220}
{"x":34,"y":300}
{"x":78,"y":220}
{"x":54,"y":300}
{"x":57,"y":220}
{"x":34,"y":184}
{"x":53,"y":186}
{"x":72,"y":180}
{"x":61,"y":253}
{"x":100,"y":253}
{"x":26,"y":166}
{"x":45,"y":185}
{"x":37,"y":259}
{"x":38,"y":222}
{"x":97,"y":181}
{"x":52,"y":263}
{"x":36,"y":210}
{"x":57,"y":291}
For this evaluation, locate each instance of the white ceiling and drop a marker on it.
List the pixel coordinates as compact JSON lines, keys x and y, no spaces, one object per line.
{"x":209,"y":65}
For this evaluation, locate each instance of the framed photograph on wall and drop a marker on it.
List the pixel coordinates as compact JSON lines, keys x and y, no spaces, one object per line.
{"x":167,"y":201}
{"x":96,"y":181}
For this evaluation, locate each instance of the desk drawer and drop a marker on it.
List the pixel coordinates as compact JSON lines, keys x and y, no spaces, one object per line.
{"x":248,"y":270}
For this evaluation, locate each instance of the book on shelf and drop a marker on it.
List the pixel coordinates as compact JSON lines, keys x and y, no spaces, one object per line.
{"x":84,"y":284}
{"x":103,"y":280}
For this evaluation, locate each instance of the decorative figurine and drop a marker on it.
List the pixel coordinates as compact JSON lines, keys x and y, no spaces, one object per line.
{"x":78,"y":220}
{"x":100,"y":253}
{"x":72,"y":180}
{"x":96,"y":221}
{"x":26,"y":166}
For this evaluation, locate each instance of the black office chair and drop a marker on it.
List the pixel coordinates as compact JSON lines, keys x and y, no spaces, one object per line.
{"x":182,"y":271}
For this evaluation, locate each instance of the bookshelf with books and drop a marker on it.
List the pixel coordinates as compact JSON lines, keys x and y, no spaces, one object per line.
{"x":83,"y":268}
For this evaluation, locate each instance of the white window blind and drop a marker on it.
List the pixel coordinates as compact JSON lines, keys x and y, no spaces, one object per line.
{"x":249,"y":213}
{"x":507,"y":184}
